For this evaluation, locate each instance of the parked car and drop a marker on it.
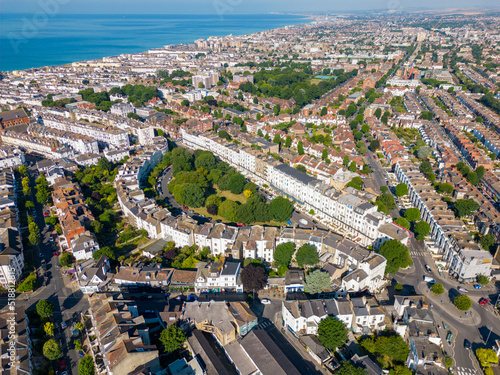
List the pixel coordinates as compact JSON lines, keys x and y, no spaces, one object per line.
{"x":192,"y":297}
{"x":62,"y":364}
{"x":184,"y":207}
{"x":483,"y":301}
{"x":477,"y":286}
{"x":463,"y":290}
{"x":63,"y":325}
{"x":466,"y":344}
{"x":428,"y":268}
{"x":240,"y":224}
{"x":265,"y":301}
{"x":449,"y":337}
{"x":303,"y":221}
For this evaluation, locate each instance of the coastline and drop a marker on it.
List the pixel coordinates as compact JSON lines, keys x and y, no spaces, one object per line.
{"x":111,"y":41}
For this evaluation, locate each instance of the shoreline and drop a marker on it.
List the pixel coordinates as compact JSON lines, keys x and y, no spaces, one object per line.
{"x":301,"y":20}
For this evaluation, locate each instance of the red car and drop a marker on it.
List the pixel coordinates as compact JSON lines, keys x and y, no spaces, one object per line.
{"x":62,"y":364}
{"x":55,"y":253}
{"x":483,"y":301}
{"x":184,"y":207}
{"x":240,"y":224}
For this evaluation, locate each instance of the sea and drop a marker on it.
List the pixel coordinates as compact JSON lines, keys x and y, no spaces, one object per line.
{"x":37,"y":40}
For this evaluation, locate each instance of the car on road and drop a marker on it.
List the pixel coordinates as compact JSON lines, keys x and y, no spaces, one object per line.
{"x":265,"y":301}
{"x":63,"y":325}
{"x":191,"y":211}
{"x":240,"y":224}
{"x":55,"y":253}
{"x":40,"y":254}
{"x":303,"y":221}
{"x":449,"y":337}
{"x":192,"y":297}
{"x":463,"y":290}
{"x":476,"y":286}
{"x":62,"y":364}
{"x":428,"y":268}
{"x":466,"y":344}
{"x":483,"y":301}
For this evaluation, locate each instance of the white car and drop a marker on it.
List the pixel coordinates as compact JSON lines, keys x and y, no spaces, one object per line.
{"x":463,"y":290}
{"x":265,"y":301}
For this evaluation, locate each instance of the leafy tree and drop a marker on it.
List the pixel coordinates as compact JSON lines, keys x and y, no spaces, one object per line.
{"x":104,"y":165}
{"x":445,"y":188}
{"x":424,"y":152}
{"x":236,"y":183}
{"x":288,"y":141}
{"x":487,"y":241}
{"x":86,"y":366}
{"x":317,"y":281}
{"x":462,"y":302}
{"x":398,"y":287}
{"x":425,"y":167}
{"x":172,"y":338}
{"x":480,"y":171}
{"x":52,"y":350}
{"x":365,"y":128}
{"x":422,"y":229}
{"x":353,"y":167}
{"x":401,"y":189}
{"x":205,"y":160}
{"x":276,"y":109}
{"x":473,"y":178}
{"x":28,"y":284}
{"x":412,"y":214}
{"x":332,"y":333}
{"x":106,"y":250}
{"x":324,"y":154}
{"x":307,"y":255}
{"x":387,"y":200}
{"x":301,"y":168}
{"x":67,"y":259}
{"x":483,"y":280}
{"x":213,"y":200}
{"x":389,"y":350}
{"x":486,"y":356}
{"x":283,"y":254}
{"x":49,"y":328}
{"x":397,"y":255}
{"x":182,"y":160}
{"x":437,"y":289}
{"x":346,"y":161}
{"x":193,"y":195}
{"x":78,"y":345}
{"x":357,"y":183}
{"x":465,"y":207}
{"x":324,"y":111}
{"x":374,"y":145}
{"x":245,"y":214}
{"x":402,"y":222}
{"x":378,"y":113}
{"x":228,"y":210}
{"x":280,"y":209}
{"x":45,"y":308}
{"x":253,"y":277}
{"x":347,"y":368}
{"x":23,"y":170}
{"x":300,"y":148}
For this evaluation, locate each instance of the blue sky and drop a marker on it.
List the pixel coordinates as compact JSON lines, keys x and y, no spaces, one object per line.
{"x":230,"y":6}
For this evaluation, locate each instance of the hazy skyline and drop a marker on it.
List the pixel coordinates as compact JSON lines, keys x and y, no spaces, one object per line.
{"x":230,"y":6}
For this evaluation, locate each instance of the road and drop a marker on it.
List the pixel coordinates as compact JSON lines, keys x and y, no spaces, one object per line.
{"x":68,"y":304}
{"x":475,"y":327}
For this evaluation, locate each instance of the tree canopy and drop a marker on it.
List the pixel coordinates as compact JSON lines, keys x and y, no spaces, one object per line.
{"x":397,"y":255}
{"x":465,"y":207}
{"x":172,"y":338}
{"x":412,"y":214}
{"x":462,"y":302}
{"x":401,"y":189}
{"x":317,"y":281}
{"x":332,"y":333}
{"x":86,"y":365}
{"x":280,"y":209}
{"x":307,"y":255}
{"x":45,"y":308}
{"x":283,"y":254}
{"x":52,"y":350}
{"x":390,"y":350}
{"x":253,"y":277}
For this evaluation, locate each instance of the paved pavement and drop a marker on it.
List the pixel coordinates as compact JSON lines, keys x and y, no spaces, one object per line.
{"x":67,"y":299}
{"x":475,"y":326}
